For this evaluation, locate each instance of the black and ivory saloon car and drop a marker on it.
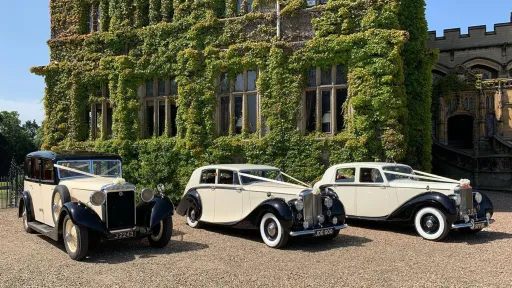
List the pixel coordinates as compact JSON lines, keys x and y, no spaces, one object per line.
{"x":82,"y":197}
{"x":256,"y":197}
{"x":396,"y":192}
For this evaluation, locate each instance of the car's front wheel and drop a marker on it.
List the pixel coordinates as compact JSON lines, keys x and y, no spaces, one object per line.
{"x":192,"y":218}
{"x":272,"y":232}
{"x":162,"y":233}
{"x":431,"y":224}
{"x":76,"y":239}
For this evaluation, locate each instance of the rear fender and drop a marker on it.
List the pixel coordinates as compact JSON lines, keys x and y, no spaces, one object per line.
{"x":191,"y":199}
{"x":26,"y":200}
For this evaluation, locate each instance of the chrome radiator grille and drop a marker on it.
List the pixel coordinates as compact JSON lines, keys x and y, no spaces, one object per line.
{"x":466,"y":205}
{"x":312,"y":207}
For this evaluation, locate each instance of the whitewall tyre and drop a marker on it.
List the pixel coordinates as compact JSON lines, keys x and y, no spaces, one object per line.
{"x":192,"y":220}
{"x":272,"y":232}
{"x":431,"y":224}
{"x":162,"y":233}
{"x":76,"y":239}
{"x":25,"y":221}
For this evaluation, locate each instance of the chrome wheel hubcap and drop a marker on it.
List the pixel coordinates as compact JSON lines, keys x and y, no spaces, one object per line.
{"x":272,"y":229}
{"x":193,"y":215}
{"x":71,"y":236}
{"x":430,"y":223}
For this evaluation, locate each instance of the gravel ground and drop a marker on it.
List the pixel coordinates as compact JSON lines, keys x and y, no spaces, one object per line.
{"x":364,"y":255}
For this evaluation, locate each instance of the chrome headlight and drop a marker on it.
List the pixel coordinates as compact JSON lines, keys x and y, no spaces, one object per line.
{"x":147,"y":195}
{"x":97,"y":198}
{"x":299,"y":205}
{"x":478,"y":197}
{"x":456,"y":198}
{"x":328,"y":202}
{"x":334,"y":220}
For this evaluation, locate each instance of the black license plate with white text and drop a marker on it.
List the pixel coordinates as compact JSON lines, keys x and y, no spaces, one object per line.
{"x":477,"y":226}
{"x":123,"y":235}
{"x":324,"y":232}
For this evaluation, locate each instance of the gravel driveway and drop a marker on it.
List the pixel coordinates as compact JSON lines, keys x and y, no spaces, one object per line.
{"x":363,"y":255}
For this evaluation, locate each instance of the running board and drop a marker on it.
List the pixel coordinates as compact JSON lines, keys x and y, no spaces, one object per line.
{"x":45,"y":230}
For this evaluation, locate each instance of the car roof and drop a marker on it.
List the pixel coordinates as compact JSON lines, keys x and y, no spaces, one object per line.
{"x":72,"y":155}
{"x":369,"y":164}
{"x":239,"y":167}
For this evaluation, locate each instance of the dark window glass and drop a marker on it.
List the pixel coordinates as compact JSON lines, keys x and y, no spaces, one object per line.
{"x":249,"y":5}
{"x":326,"y":76}
{"x":161,"y":87}
{"x":341,"y":97}
{"x":238,"y":114}
{"x":48,"y":170}
{"x":239,"y":83}
{"x":28,"y":168}
{"x":238,"y":6}
{"x":341,"y":76}
{"x":251,"y":80}
{"x":370,"y":175}
{"x":161,"y":117}
{"x":174,"y":113}
{"x":252,"y":113}
{"x":107,"y":91}
{"x":224,"y":83}
{"x":110,"y":114}
{"x":36,"y":169}
{"x":224,"y":116}
{"x":149,"y":89}
{"x":323,"y":1}
{"x":150,"y":120}
{"x":208,"y":176}
{"x":174,"y":87}
{"x":312,"y":77}
{"x":311,"y":111}
{"x":226,"y":177}
{"x":345,"y":175}
{"x":326,"y":111}
{"x":310,"y":3}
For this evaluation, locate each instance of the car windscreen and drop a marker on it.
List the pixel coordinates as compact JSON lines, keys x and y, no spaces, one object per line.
{"x":269,"y":174}
{"x":105,"y":168}
{"x":399,"y":169}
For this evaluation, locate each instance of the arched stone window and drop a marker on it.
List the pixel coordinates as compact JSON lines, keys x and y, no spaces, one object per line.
{"x":470,"y":105}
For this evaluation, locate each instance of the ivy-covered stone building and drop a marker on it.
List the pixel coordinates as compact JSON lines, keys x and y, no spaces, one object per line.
{"x":299,"y":84}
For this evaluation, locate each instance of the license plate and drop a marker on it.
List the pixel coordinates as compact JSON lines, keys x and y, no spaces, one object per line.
{"x":481,"y":225}
{"x":122,"y":235}
{"x":324,"y":232}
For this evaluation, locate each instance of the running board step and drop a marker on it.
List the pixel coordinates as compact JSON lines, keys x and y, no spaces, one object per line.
{"x":44,"y":230}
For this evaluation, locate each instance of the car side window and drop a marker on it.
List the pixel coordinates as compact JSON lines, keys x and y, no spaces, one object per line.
{"x":36,"y":169}
{"x":370,"y":175}
{"x":226,"y":177}
{"x":28,"y":168}
{"x":345,"y":175}
{"x":208,"y":176}
{"x":48,"y":170}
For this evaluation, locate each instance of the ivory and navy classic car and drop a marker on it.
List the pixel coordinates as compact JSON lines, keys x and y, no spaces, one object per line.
{"x":395,"y":192}
{"x":81,"y":197}
{"x":256,"y":197}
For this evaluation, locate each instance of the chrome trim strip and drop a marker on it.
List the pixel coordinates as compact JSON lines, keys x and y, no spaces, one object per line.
{"x":471,"y":224}
{"x":309,"y":232}
{"x":135,"y":229}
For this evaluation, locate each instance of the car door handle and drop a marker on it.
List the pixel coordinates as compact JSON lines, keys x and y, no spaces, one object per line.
{"x":212,"y":187}
{"x":238,"y":190}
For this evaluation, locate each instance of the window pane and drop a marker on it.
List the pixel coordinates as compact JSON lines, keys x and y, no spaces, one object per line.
{"x":224,"y":116}
{"x":311,"y":3}
{"x":470,"y":103}
{"x":174,"y":87}
{"x":226,"y":177}
{"x":28,"y":168}
{"x":238,"y":114}
{"x":84,"y":166}
{"x":341,"y":76}
{"x":345,"y":175}
{"x":36,"y":169}
{"x":326,"y":76}
{"x":370,"y":175}
{"x":149,"y":89}
{"x":161,"y":117}
{"x":249,"y":5}
{"x":224,"y":83}
{"x":341,"y":97}
{"x":150,"y":120}
{"x":326,"y":111}
{"x":323,"y":1}
{"x":208,"y":176}
{"x":238,"y":6}
{"x":107,"y":91}
{"x":110,"y":114}
{"x":311,"y":111}
{"x":107,"y":168}
{"x":161,"y":87}
{"x":251,"y":80}
{"x":239,"y":83}
{"x":312,"y":77}
{"x":174,"y":113}
{"x":252,"y":111}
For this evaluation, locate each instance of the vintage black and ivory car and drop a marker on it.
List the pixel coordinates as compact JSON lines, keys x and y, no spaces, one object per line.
{"x":256,"y":197}
{"x":395,"y":192}
{"x":82,"y":197}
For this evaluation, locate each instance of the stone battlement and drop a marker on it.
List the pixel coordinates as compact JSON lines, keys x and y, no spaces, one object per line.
{"x":476,"y":37}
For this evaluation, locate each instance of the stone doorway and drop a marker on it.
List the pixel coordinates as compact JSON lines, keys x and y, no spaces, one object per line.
{"x":460,"y":131}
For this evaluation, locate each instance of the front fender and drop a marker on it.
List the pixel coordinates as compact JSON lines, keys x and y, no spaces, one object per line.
{"x":485,"y":206}
{"x":151,"y":213}
{"x":191,"y":199}
{"x":337,"y":209}
{"x":26,"y":200}
{"x":437,"y":200}
{"x":83,"y":216}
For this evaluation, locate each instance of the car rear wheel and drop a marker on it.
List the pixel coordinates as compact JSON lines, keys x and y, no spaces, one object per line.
{"x":162,"y":233}
{"x":76,"y":239}
{"x":25,"y":221}
{"x":431,"y":224}
{"x":272,"y":232}
{"x":192,"y":218}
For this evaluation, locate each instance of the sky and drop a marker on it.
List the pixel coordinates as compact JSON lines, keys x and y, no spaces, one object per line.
{"x":25,"y":28}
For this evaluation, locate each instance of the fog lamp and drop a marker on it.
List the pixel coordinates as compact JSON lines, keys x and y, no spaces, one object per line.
{"x":97,"y":198}
{"x":299,"y":205}
{"x":147,"y":195}
{"x":334,"y":220}
{"x":328,"y":202}
{"x":321,"y":219}
{"x":478,"y":197}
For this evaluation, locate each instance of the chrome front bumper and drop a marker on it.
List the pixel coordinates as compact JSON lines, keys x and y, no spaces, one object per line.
{"x":472,"y":224}
{"x":310,"y":232}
